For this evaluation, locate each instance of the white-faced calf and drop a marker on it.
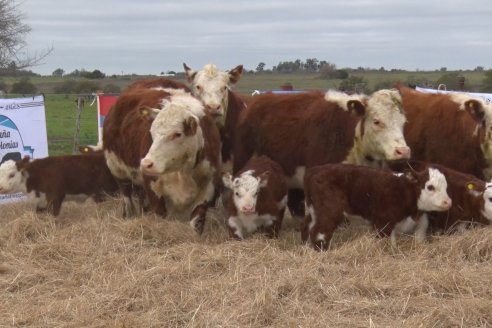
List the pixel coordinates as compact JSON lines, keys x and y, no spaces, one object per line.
{"x":379,"y":196}
{"x":259,"y":198}
{"x":49,"y":180}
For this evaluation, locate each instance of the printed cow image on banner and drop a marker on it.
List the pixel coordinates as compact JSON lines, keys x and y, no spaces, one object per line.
{"x":22,"y":132}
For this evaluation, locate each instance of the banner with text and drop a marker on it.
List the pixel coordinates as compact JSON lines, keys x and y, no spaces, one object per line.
{"x":22,"y":132}
{"x":104,"y":103}
{"x":486,"y":96}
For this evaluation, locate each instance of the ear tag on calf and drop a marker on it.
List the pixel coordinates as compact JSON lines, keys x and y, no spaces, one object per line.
{"x":470,"y":186}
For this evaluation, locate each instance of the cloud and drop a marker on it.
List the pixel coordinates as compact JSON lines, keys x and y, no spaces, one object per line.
{"x":155,"y":36}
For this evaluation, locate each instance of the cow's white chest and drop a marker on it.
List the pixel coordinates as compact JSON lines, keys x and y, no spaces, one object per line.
{"x":243,"y":223}
{"x":297,"y":180}
{"x":122,"y":171}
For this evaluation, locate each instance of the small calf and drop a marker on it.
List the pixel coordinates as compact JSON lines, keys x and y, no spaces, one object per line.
{"x":259,"y":198}
{"x":383,"y":198}
{"x":49,"y":180}
{"x":472,"y":199}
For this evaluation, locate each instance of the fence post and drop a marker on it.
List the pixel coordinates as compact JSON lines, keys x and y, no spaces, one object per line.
{"x":76,"y":139}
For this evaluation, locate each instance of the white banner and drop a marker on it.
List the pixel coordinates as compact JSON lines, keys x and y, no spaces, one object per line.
{"x":22,"y":132}
{"x":486,"y":96}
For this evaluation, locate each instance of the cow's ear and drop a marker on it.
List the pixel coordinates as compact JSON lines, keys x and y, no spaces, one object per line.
{"x":22,"y":163}
{"x":148,"y":112}
{"x":473,"y":189}
{"x":264,"y":179}
{"x":235,"y":74}
{"x":475,"y":109}
{"x":190,"y":126}
{"x":227,"y":180}
{"x":190,"y":74}
{"x":356,"y":108}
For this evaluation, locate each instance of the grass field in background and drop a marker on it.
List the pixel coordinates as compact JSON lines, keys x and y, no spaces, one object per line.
{"x":61,"y":110}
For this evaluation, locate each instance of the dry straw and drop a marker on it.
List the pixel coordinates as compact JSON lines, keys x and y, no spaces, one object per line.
{"x":90,"y":268}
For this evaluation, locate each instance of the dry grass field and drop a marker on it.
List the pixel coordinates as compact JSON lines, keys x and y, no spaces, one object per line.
{"x":90,"y":268}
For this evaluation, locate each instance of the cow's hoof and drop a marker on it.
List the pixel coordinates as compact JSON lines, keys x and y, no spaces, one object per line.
{"x":198,"y":224}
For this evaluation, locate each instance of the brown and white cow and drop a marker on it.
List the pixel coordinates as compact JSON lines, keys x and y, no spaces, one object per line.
{"x":454,"y":130}
{"x":299,"y":131}
{"x":213,"y":88}
{"x":379,"y":196}
{"x":162,"y":139}
{"x":472,"y":200}
{"x":259,"y":198}
{"x":51,"y":180}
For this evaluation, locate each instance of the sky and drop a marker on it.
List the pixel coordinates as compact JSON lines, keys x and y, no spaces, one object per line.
{"x":154,"y":36}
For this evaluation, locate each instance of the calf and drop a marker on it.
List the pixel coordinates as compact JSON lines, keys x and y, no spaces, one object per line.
{"x":472,"y":199}
{"x":49,"y":180}
{"x":379,"y":196}
{"x":259,"y":198}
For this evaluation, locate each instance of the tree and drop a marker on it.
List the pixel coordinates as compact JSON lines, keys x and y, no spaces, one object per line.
{"x":260,"y":68}
{"x":354,"y":84}
{"x":12,"y":43}
{"x":24,"y":86}
{"x":58,"y":72}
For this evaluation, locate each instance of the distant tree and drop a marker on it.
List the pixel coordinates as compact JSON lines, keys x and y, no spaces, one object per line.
{"x":487,"y":82}
{"x":95,"y":74}
{"x":340,"y":74}
{"x":383,"y":85}
{"x":354,"y":84}
{"x":260,"y":68}
{"x":479,"y":69}
{"x":450,"y":80}
{"x":12,"y":34}
{"x":326,"y":71}
{"x":3,"y":86}
{"x":311,"y":65}
{"x":443,"y":69}
{"x":24,"y":86}
{"x":58,"y":72}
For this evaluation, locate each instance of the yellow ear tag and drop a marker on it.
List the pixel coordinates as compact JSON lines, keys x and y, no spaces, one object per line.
{"x":86,"y":150}
{"x":470,"y":186}
{"x":145,"y":112}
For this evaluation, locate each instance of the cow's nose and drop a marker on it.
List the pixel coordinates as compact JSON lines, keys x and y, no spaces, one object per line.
{"x":402,"y":152}
{"x":146,"y":163}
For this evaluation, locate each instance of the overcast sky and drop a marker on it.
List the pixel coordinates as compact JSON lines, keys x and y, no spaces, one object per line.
{"x":151,"y":36}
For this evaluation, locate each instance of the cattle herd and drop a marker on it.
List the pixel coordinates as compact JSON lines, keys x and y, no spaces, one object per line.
{"x":405,"y":161}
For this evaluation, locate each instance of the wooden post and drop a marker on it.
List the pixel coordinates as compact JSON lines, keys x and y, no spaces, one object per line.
{"x":76,"y":139}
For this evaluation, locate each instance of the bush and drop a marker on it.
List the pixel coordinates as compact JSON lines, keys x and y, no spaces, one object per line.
{"x":354,"y":84}
{"x":24,"y":86}
{"x":66,"y":87}
{"x":86,"y":87}
{"x":111,"y":88}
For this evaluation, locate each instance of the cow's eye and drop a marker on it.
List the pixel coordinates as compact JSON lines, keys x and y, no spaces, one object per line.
{"x":236,"y":193}
{"x":199,"y":88}
{"x":431,"y":188}
{"x":11,"y":175}
{"x":377,"y":122}
{"x":176,"y":135}
{"x":490,"y":199}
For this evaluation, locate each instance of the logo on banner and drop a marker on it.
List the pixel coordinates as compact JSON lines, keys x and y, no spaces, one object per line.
{"x":11,"y":142}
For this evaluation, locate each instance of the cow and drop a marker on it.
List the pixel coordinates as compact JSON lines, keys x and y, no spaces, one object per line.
{"x":157,"y":83}
{"x":454,"y":130}
{"x":51,"y":180}
{"x":162,"y":139}
{"x":259,"y":198}
{"x":213,"y":88}
{"x":302,"y":130}
{"x":472,"y":199}
{"x":378,"y":195}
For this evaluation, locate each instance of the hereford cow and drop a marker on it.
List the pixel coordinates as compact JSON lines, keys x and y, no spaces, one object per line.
{"x":213,"y":88}
{"x":472,"y":202}
{"x":379,"y":196}
{"x":299,"y":131}
{"x":259,"y":198}
{"x":50,"y":180}
{"x":454,"y":130}
{"x":162,"y":139}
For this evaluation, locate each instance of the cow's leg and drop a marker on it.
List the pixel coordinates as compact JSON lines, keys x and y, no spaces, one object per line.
{"x":295,"y":203}
{"x":326,"y":214}
{"x":54,"y":203}
{"x":198,"y":217}
{"x":421,"y":228}
{"x":126,"y":188}
{"x":156,"y":203}
{"x":235,"y":228}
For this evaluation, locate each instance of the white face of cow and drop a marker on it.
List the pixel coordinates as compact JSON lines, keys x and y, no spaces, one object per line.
{"x":11,"y":179}
{"x":211,"y":86}
{"x":176,"y":136}
{"x":382,"y":132}
{"x":434,"y":197}
{"x":487,"y":198}
{"x":245,"y":188}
